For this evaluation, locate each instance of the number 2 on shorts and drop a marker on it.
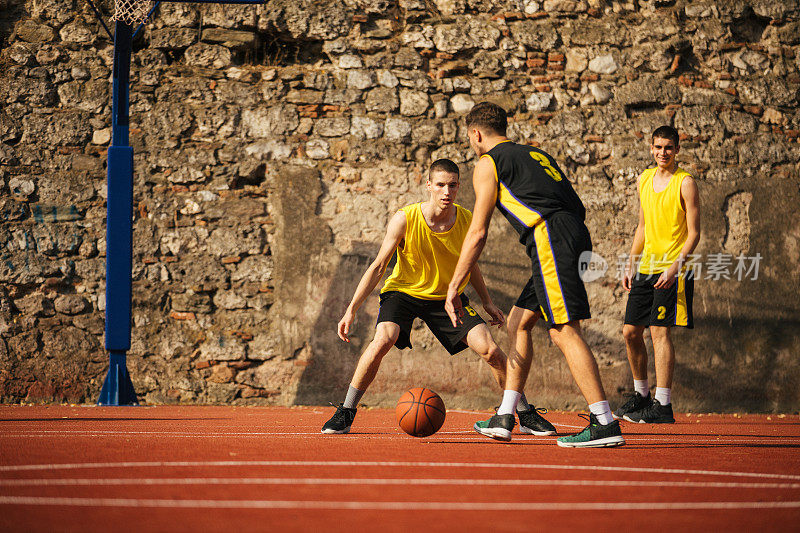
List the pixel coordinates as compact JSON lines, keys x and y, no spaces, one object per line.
{"x":662,"y":312}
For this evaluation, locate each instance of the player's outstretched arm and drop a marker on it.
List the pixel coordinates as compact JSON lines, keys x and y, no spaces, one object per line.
{"x":636,"y":250}
{"x":479,"y":284}
{"x":691,"y":203}
{"x":395,"y":232}
{"x":483,"y":181}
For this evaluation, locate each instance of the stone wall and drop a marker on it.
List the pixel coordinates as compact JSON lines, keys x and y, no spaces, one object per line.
{"x":272,"y":144}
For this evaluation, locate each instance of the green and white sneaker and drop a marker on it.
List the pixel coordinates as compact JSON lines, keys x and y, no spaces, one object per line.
{"x":498,"y":427}
{"x":595,"y":435}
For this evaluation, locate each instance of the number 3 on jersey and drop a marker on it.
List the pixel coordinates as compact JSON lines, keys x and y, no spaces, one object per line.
{"x":542,"y":159}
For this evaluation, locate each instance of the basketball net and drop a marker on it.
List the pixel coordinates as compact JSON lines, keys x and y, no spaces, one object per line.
{"x":131,"y":11}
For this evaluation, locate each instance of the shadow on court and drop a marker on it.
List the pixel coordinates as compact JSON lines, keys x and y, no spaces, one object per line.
{"x":328,"y":374}
{"x":326,"y":377}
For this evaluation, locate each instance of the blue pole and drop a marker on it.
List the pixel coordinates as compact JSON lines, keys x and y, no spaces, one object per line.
{"x":118,"y":388}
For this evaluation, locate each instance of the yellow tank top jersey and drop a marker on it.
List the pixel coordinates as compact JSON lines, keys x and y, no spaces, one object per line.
{"x":426,"y":260}
{"x":665,"y":229}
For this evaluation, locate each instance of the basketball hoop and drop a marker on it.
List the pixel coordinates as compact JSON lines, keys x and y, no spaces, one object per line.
{"x":131,"y":11}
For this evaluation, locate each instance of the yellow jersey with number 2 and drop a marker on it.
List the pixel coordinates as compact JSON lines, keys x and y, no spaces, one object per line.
{"x":426,"y":260}
{"x":665,"y":229}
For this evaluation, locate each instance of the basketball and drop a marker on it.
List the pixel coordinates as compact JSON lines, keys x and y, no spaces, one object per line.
{"x":420,"y":412}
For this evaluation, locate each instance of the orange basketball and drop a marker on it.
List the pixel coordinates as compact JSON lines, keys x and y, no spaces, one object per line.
{"x":420,"y":412}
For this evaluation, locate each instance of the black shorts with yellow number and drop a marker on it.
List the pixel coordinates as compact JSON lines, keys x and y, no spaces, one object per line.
{"x":402,"y":309}
{"x":555,"y":288}
{"x":648,"y":306}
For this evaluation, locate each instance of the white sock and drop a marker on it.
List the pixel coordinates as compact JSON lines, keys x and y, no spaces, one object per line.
{"x":510,"y":400}
{"x":664,"y":395}
{"x":522,"y":404}
{"x":602,"y":411}
{"x":642,"y":386}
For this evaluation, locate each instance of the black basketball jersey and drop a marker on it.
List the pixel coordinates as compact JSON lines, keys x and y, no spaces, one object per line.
{"x":531,"y":186}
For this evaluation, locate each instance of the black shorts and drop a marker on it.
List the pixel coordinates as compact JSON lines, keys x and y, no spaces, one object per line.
{"x":555,"y":288}
{"x":648,"y":306}
{"x":402,"y":309}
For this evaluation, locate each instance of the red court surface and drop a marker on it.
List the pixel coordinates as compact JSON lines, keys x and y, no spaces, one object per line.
{"x":270,"y":469}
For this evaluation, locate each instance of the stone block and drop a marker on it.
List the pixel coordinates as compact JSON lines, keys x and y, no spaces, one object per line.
{"x":71,"y":304}
{"x":648,"y":90}
{"x":382,"y":100}
{"x":365,"y":128}
{"x":539,"y":34}
{"x":461,"y":103}
{"x":208,"y":56}
{"x":318,"y":149}
{"x":408,"y":58}
{"x":35,"y":305}
{"x":396,"y":129}
{"x":387,"y":79}
{"x":229,"y":300}
{"x":454,"y":38}
{"x":427,"y":133}
{"x":739,"y":123}
{"x":77,"y":32}
{"x":360,"y":79}
{"x":538,"y":101}
{"x":332,"y":126}
{"x":601,"y":93}
{"x":413,"y":103}
{"x":265,"y":122}
{"x":31,"y":31}
{"x":190,"y":301}
{"x":65,"y":128}
{"x":21,"y":187}
{"x":172,"y":37}
{"x":230,"y":38}
{"x":604,"y":64}
{"x":696,"y":121}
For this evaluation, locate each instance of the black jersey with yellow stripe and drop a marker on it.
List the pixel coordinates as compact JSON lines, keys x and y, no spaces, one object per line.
{"x":531,"y":187}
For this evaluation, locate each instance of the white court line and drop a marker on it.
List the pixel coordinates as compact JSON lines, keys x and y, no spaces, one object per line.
{"x":401,"y":464}
{"x":391,"y":506}
{"x":89,"y":482}
{"x":461,"y":435}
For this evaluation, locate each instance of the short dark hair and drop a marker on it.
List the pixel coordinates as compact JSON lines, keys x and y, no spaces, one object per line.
{"x":443,"y":165}
{"x":667,"y":132}
{"x":488,"y":115}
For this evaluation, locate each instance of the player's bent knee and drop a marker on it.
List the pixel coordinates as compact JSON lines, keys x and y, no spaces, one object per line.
{"x":386,"y":335}
{"x":495,"y":357}
{"x":631,"y":333}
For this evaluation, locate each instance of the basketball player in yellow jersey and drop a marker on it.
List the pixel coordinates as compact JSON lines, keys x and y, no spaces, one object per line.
{"x":427,"y":237}
{"x":661,"y":290}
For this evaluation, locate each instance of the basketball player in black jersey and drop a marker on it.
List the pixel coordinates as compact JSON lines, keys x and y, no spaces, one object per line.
{"x":532,"y":192}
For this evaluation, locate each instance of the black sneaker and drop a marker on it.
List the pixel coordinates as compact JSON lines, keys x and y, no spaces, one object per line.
{"x":498,"y":427}
{"x":595,"y":435}
{"x":341,"y":420}
{"x":635,"y":402}
{"x":655,"y":413}
{"x":533,"y":423}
